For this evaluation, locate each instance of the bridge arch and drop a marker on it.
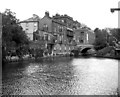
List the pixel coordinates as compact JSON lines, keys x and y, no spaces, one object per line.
{"x":85,"y":49}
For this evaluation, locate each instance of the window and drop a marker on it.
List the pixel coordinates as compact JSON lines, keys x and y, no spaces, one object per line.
{"x":82,"y":33}
{"x":81,"y":41}
{"x":35,"y":24}
{"x":55,"y":30}
{"x":60,"y":38}
{"x":45,"y":27}
{"x":60,"y":29}
{"x":48,"y":37}
{"x":65,"y":21}
{"x":62,"y":21}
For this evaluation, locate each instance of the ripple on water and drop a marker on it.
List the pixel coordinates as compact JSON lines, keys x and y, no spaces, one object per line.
{"x":76,"y":77}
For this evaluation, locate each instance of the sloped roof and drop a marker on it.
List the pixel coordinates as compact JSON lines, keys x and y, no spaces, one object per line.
{"x":35,"y":18}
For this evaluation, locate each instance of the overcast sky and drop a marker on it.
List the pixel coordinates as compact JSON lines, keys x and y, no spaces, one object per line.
{"x":93,"y":13}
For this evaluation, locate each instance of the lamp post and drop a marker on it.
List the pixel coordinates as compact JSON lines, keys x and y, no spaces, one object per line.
{"x":114,"y":9}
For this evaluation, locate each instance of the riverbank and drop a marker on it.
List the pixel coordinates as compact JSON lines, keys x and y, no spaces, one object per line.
{"x":36,"y":58}
{"x":60,"y":56}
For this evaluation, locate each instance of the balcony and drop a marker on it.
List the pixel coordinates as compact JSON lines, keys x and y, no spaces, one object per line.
{"x":69,"y":33}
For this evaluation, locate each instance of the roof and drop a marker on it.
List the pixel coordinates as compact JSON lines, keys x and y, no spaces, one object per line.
{"x":58,"y":22}
{"x":44,"y":33}
{"x":27,"y":21}
{"x":35,"y":18}
{"x":83,"y":29}
{"x":63,"y":16}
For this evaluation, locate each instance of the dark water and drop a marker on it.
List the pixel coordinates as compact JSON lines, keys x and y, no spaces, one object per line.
{"x":61,"y":76}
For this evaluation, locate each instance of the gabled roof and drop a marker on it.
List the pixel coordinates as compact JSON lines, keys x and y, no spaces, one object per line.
{"x":35,"y":18}
{"x":27,"y":21}
{"x":53,"y":20}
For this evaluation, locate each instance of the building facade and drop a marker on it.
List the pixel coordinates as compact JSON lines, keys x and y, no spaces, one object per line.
{"x":30,"y":25}
{"x":60,"y":33}
{"x":61,"y":27}
{"x":70,"y":25}
{"x":84,"y":36}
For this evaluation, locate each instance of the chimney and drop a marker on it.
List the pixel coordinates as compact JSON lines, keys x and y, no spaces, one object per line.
{"x":47,"y":13}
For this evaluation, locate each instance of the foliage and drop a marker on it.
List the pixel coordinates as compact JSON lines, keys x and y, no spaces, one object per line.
{"x":12,"y":34}
{"x":100,"y":40}
{"x":116,"y":33}
{"x":106,"y":37}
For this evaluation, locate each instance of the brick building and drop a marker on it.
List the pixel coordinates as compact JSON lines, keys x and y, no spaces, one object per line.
{"x":84,"y":36}
{"x":70,"y":25}
{"x":62,"y":32}
{"x":68,"y":22}
{"x":30,"y":25}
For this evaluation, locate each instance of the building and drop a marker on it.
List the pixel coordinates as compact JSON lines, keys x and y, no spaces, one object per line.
{"x":30,"y":25}
{"x":57,"y":29}
{"x":62,"y":28}
{"x":70,"y":26}
{"x":68,"y":22}
{"x":84,"y":36}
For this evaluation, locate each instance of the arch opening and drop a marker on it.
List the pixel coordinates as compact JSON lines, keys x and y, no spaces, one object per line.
{"x":85,"y":50}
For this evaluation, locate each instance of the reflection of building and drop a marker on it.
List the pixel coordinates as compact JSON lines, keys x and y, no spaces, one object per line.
{"x":30,"y":25}
{"x":84,"y":36}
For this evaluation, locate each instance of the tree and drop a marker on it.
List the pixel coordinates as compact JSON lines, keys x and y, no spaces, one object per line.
{"x":100,"y":38}
{"x":116,"y":33}
{"x":13,"y":35}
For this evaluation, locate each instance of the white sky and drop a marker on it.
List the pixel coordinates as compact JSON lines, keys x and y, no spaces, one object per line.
{"x":93,"y":13}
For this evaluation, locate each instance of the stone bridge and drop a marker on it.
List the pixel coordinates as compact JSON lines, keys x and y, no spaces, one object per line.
{"x":85,"y":48}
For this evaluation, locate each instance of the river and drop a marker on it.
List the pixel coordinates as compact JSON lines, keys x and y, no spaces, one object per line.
{"x":61,"y":76}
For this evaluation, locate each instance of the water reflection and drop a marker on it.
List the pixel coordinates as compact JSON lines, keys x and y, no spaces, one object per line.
{"x":96,"y":76}
{"x":63,"y":76}
{"x":31,"y":69}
